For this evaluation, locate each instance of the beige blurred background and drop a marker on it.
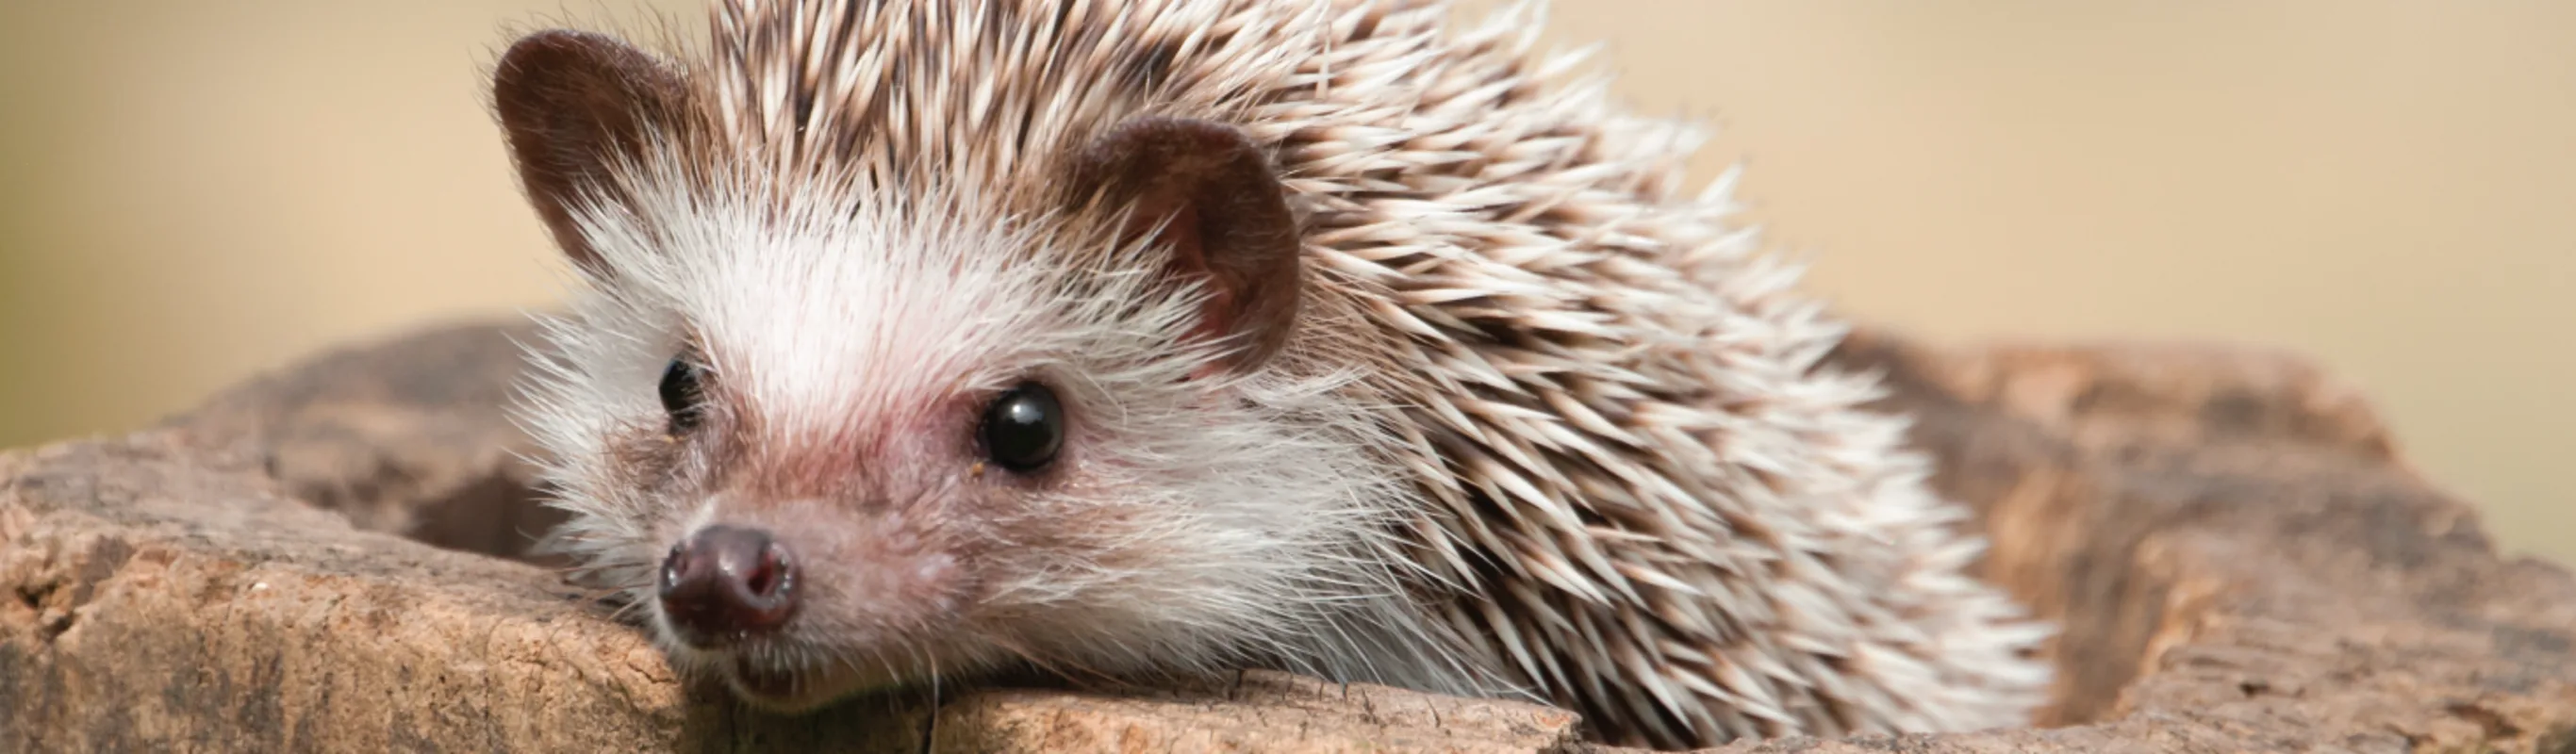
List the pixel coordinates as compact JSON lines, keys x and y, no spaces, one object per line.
{"x":193,"y":191}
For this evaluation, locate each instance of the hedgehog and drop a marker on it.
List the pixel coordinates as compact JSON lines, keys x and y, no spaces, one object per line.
{"x":923,"y":341}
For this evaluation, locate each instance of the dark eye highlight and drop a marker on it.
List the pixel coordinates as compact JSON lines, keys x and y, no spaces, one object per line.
{"x":1023,"y":428}
{"x":684,"y":394}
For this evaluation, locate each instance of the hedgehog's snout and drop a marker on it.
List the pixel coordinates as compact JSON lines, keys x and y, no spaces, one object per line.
{"x":725,"y":584}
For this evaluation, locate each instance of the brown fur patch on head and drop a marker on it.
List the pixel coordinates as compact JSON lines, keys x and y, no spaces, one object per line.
{"x":573,"y":104}
{"x":1211,"y":199}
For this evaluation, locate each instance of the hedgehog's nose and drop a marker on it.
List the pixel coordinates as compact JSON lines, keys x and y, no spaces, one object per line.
{"x":726,"y":583}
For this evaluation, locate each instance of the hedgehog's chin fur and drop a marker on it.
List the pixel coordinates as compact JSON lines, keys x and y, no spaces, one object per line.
{"x":793,"y":690}
{"x":786,"y":678}
{"x":798,"y":689}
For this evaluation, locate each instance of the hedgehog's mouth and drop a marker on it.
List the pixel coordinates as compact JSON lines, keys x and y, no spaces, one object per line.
{"x":788,"y":689}
{"x":761,"y":675}
{"x":769,"y":686}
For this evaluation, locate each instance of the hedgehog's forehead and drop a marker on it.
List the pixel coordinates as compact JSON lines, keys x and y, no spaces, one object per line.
{"x":835,"y":311}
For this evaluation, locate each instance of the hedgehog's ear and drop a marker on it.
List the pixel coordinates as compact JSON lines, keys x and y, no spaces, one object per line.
{"x":1211,"y":199}
{"x":572,"y":103}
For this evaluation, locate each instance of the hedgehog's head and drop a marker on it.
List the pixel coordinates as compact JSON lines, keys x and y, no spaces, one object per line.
{"x":835,"y":434}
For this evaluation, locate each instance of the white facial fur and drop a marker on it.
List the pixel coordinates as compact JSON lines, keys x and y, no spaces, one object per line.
{"x":1186,"y":524}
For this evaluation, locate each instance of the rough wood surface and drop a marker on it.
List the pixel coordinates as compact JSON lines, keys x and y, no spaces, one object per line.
{"x":2242,"y":559}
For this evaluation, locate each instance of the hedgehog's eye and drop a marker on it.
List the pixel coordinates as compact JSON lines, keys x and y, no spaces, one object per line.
{"x":682,"y":395}
{"x":1023,"y":428}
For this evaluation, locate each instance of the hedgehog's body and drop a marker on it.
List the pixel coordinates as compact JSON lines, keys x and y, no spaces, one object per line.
{"x":1493,"y":409}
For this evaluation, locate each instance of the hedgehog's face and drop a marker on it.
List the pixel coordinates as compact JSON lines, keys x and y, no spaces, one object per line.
{"x":830,"y":443}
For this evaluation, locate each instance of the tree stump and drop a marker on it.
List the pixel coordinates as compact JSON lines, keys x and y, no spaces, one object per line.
{"x":333,"y":558}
